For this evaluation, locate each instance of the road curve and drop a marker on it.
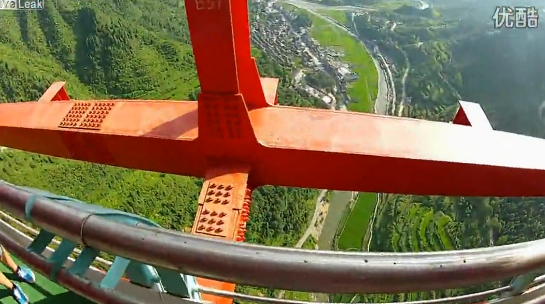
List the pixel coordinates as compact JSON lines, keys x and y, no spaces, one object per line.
{"x":381,"y":102}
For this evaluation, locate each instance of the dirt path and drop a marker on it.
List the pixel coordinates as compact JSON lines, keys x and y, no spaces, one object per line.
{"x":310,"y":230}
{"x":403,"y":89}
{"x":312,"y":225}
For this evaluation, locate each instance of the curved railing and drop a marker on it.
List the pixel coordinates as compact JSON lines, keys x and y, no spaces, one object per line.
{"x":281,"y":268}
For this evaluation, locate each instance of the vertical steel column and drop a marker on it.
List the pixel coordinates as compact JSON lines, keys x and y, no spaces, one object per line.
{"x":220,"y":35}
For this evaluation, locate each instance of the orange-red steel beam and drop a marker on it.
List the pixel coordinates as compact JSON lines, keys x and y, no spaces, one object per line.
{"x":230,"y":85}
{"x":297,"y":147}
{"x":471,"y":114}
{"x":236,"y":137}
{"x":222,"y":49}
{"x":224,"y":206}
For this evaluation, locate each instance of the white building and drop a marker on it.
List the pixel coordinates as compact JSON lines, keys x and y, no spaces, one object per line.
{"x":421,"y":5}
{"x":347,"y":74}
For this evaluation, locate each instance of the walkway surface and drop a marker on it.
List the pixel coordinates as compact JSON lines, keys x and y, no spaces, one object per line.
{"x":42,"y":292}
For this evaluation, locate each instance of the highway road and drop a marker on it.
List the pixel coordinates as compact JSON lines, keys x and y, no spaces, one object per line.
{"x":382,"y":101}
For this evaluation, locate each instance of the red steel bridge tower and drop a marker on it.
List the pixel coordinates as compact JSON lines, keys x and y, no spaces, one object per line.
{"x":237,"y":137}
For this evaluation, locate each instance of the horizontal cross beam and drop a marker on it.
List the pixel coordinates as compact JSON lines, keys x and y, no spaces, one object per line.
{"x":293,"y":147}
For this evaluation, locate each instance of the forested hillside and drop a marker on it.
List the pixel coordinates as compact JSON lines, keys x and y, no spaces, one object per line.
{"x":510,"y":82}
{"x":141,"y":49}
{"x":500,"y":69}
{"x":125,"y":49}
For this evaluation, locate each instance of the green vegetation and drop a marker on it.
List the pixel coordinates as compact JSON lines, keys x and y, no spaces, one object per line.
{"x":414,"y":225}
{"x":67,"y":42}
{"x":302,"y":19}
{"x":339,"y":16}
{"x":354,"y":227}
{"x":310,"y":243}
{"x":448,"y":62}
{"x":364,"y":90}
{"x":125,"y":49}
{"x":483,"y":81}
{"x":298,"y":295}
{"x":319,"y":79}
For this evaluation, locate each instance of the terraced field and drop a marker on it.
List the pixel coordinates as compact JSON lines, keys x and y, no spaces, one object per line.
{"x":419,"y":228}
{"x":406,"y":224}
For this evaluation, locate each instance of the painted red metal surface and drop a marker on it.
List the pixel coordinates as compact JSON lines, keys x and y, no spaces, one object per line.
{"x":237,"y":137}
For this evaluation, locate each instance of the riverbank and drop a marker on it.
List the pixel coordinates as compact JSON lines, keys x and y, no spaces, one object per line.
{"x":365,"y":95}
{"x":344,"y":221}
{"x":353,"y":224}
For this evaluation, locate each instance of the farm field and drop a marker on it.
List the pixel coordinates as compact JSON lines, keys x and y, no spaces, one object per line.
{"x":403,"y":224}
{"x":421,"y":229}
{"x":353,"y":223}
{"x":363,"y":91}
{"x":408,"y":223}
{"x":357,"y":220}
{"x":339,"y":16}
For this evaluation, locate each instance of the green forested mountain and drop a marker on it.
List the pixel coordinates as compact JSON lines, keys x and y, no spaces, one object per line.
{"x":128,"y":49}
{"x":509,"y":84}
{"x":467,"y":59}
{"x":141,"y":49}
{"x":125,"y":49}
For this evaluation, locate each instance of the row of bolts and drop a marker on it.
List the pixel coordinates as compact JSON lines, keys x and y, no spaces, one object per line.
{"x":244,"y":214}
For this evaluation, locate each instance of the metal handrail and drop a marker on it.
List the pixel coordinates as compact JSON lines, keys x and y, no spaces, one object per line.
{"x":282,"y":268}
{"x":74,"y":283}
{"x":34,"y":232}
{"x":469,"y":298}
{"x":17,"y":201}
{"x":474,"y":297}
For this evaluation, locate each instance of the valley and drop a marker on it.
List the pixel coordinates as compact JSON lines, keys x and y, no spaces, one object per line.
{"x":383,"y":57}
